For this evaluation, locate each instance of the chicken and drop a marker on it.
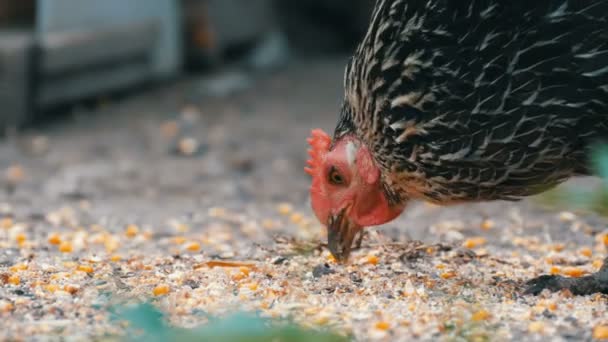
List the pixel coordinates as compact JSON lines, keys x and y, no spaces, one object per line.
{"x":453,"y":101}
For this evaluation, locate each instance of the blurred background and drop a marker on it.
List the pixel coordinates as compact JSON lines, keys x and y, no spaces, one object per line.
{"x":58,"y":52}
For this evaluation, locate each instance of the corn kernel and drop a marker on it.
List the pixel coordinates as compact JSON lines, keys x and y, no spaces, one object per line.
{"x":268,"y":224}
{"x":586,"y":251}
{"x":111,"y":244}
{"x":481,"y":315}
{"x":20,"y":238}
{"x":131,"y":231}
{"x":14,"y":280}
{"x":448,"y":275}
{"x":574,"y":272}
{"x":440,"y":267}
{"x":71,"y":289}
{"x":331,"y":259}
{"x":51,"y":288}
{"x":18,"y":267}
{"x":605,"y":239}
{"x":193,"y":247}
{"x":6,"y":223}
{"x":382,"y":325}
{"x":552,"y":306}
{"x":554,"y":270}
{"x":371,"y":259}
{"x":6,"y":306}
{"x":85,"y":268}
{"x":54,"y":239}
{"x":244,"y":270}
{"x":252,"y":286}
{"x":558,"y":247}
{"x":284,"y":208}
{"x":597,"y":264}
{"x":115,"y":258}
{"x":296,"y":218}
{"x":15,"y":174}
{"x":536,"y":327}
{"x":487,"y":224}
{"x":322,"y":320}
{"x":161,"y":290}
{"x":474,"y":242}
{"x":179,"y":240}
{"x":65,"y":247}
{"x":600,"y":332}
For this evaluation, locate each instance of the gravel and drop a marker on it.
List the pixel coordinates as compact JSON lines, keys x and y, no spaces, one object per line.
{"x":200,"y":205}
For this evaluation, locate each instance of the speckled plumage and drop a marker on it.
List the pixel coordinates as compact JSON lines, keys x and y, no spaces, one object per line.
{"x":479,"y":100}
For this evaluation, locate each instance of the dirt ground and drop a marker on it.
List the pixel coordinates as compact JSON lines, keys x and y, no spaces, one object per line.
{"x":137,"y":198}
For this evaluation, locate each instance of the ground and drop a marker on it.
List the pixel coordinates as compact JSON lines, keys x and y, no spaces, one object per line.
{"x":141,"y":198}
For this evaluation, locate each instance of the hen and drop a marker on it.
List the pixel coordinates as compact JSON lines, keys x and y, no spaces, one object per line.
{"x":453,"y":101}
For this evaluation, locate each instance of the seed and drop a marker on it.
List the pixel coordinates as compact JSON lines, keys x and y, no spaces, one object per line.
{"x":54,"y":239}
{"x":586,"y":251}
{"x":6,"y":306}
{"x":559,"y":247}
{"x":536,"y":327}
{"x":71,"y":289}
{"x":132,"y":231}
{"x":448,"y":275}
{"x":371,"y":259}
{"x":382,"y":325}
{"x":605,"y":239}
{"x":161,"y":290}
{"x":597,"y":264}
{"x":51,"y":288}
{"x":20,"y":238}
{"x":600,"y":332}
{"x":554,"y":270}
{"x":252,"y":286}
{"x":284,"y":208}
{"x":85,"y":268}
{"x":6,"y":223}
{"x":487,"y":224}
{"x":574,"y":272}
{"x":193,"y":247}
{"x":14,"y":280}
{"x":18,"y":267}
{"x":474,"y":242}
{"x":115,"y":258}
{"x":296,"y":218}
{"x":65,"y":247}
{"x":480,"y":315}
{"x":179,"y":240}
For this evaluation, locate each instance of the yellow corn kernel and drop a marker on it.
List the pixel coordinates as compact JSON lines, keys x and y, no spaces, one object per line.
{"x":284,"y":208}
{"x":20,"y":238}
{"x":440,"y":267}
{"x":65,"y":247}
{"x":481,"y":315}
{"x":372,"y":260}
{"x":54,"y":239}
{"x":244,"y":270}
{"x":487,"y":224}
{"x":18,"y":267}
{"x":536,"y":327}
{"x":51,"y":288}
{"x":382,"y":325}
{"x":554,"y":270}
{"x":193,"y":247}
{"x":558,"y":247}
{"x":85,"y":268}
{"x":605,"y":239}
{"x":6,"y":223}
{"x":252,"y":286}
{"x":179,"y":240}
{"x":331,"y":259}
{"x":448,"y":275}
{"x":600,"y":332}
{"x":296,"y":218}
{"x":131,"y":231}
{"x":586,"y":251}
{"x":14,"y":280}
{"x":161,"y":290}
{"x":574,"y":272}
{"x":6,"y":306}
{"x":115,"y":258}
{"x":474,"y":242}
{"x":597,"y":264}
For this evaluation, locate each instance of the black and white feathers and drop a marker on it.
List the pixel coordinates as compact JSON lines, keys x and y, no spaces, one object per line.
{"x":480,"y":99}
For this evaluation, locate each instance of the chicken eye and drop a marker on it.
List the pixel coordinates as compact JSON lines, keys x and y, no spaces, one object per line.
{"x":335,"y":177}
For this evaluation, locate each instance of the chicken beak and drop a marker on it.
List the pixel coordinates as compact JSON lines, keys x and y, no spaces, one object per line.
{"x":340,"y":235}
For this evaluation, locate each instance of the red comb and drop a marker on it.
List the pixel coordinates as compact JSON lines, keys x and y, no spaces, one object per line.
{"x":319,"y":143}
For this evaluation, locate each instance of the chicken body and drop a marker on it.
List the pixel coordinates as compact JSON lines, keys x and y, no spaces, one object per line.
{"x":479,"y":100}
{"x":458,"y":101}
